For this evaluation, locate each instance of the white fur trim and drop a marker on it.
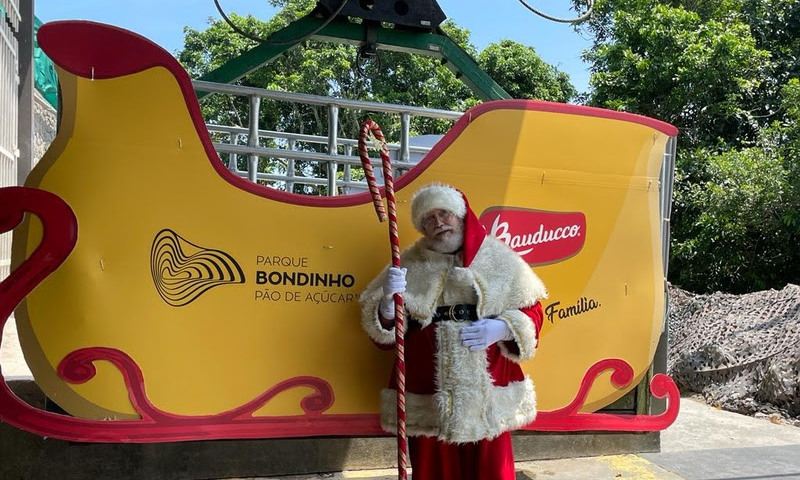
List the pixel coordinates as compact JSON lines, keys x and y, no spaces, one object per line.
{"x":370,"y":301}
{"x":466,"y":407}
{"x":511,"y":407}
{"x":504,"y":279}
{"x":503,"y":284}
{"x":436,"y":196}
{"x":524,"y":333}
{"x":422,"y":419}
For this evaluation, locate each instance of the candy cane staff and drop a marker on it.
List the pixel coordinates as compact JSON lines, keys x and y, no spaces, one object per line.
{"x":474,"y":314}
{"x":395,"y":308}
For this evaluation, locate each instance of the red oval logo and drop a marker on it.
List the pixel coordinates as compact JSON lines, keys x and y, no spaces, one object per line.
{"x":538,"y":237}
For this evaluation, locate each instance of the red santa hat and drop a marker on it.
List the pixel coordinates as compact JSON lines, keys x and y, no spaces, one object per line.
{"x":444,"y":197}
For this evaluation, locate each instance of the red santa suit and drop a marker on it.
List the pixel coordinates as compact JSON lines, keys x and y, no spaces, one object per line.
{"x":461,"y":404}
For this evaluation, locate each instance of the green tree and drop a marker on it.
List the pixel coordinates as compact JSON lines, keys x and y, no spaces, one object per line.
{"x":775,"y":26}
{"x":523,"y":74}
{"x":725,"y":73}
{"x":668,"y":63}
{"x":737,"y":234}
{"x":329,"y":69}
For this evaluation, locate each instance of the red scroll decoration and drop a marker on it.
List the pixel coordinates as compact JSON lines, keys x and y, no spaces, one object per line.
{"x":570,"y":419}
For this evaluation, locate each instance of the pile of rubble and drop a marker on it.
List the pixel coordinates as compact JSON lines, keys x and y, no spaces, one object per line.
{"x":740,"y":352}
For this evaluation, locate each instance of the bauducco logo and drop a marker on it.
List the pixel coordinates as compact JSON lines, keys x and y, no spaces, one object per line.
{"x":538,"y":237}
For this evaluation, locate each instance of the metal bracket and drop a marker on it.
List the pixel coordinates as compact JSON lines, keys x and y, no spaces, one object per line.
{"x":433,"y":44}
{"x":369,"y":49}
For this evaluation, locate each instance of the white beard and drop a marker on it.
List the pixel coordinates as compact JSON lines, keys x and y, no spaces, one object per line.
{"x":449,"y":243}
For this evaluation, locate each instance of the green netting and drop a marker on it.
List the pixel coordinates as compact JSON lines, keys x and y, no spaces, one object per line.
{"x":45,"y":76}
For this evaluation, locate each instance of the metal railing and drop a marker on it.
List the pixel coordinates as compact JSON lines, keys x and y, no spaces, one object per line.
{"x":667,"y":181}
{"x":11,"y":8}
{"x":9,"y":104}
{"x":292,"y":147}
{"x":9,"y":83}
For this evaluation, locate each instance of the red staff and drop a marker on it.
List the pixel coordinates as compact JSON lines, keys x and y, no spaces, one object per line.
{"x":400,"y":330}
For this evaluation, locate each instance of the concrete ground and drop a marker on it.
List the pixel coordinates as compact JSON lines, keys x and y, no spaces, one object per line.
{"x":704,"y":443}
{"x":11,"y":359}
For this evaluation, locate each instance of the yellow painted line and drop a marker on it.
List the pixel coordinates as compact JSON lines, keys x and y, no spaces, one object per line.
{"x":370,"y":473}
{"x":632,"y":466}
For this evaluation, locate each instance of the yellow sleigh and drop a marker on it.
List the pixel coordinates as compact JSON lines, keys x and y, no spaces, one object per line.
{"x":189,"y":303}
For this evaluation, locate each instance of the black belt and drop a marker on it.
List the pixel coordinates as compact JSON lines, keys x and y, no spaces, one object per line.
{"x":456,"y":312}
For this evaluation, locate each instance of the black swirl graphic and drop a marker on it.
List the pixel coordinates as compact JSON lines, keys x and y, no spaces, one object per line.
{"x":182,"y":271}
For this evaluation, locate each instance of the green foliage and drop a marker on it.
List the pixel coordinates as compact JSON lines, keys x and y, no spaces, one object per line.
{"x":736,"y":220}
{"x":736,"y":230}
{"x":775,"y":26}
{"x":523,"y":74}
{"x":667,"y":63}
{"x":725,"y":73}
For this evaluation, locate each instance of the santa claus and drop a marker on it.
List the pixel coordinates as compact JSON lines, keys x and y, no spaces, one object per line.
{"x":473,"y":313}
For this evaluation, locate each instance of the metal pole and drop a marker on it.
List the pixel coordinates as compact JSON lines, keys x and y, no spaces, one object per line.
{"x":667,"y":180}
{"x":348,"y":151}
{"x":290,"y":168}
{"x":252,"y":141}
{"x":333,"y":147}
{"x":25,"y":90}
{"x":233,"y":159}
{"x":667,"y":184}
{"x":405,"y":138}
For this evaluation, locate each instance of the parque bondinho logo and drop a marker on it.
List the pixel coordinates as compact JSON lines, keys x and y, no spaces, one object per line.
{"x":292,"y":278}
{"x":183,"y":271}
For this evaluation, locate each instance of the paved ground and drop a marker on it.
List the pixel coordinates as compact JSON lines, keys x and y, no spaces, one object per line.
{"x":11,"y":358}
{"x":704,"y":443}
{"x":711,"y":444}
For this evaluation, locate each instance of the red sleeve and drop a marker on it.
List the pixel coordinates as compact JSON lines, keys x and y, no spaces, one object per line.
{"x":537,"y":315}
{"x":382,"y":346}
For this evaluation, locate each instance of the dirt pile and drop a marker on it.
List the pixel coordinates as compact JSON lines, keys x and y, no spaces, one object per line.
{"x":741,"y":352}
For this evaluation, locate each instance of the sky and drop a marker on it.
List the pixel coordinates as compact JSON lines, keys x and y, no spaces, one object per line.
{"x":488,"y":22}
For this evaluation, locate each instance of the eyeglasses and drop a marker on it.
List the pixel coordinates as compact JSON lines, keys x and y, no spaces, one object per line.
{"x":442,"y":215}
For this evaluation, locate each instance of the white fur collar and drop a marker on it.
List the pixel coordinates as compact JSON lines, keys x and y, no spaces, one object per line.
{"x":503,"y":282}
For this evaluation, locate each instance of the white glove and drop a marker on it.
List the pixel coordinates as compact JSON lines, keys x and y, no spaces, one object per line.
{"x":395,"y":283}
{"x":479,"y":335}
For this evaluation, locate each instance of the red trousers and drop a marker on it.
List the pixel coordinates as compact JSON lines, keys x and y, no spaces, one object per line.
{"x":432,"y":459}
